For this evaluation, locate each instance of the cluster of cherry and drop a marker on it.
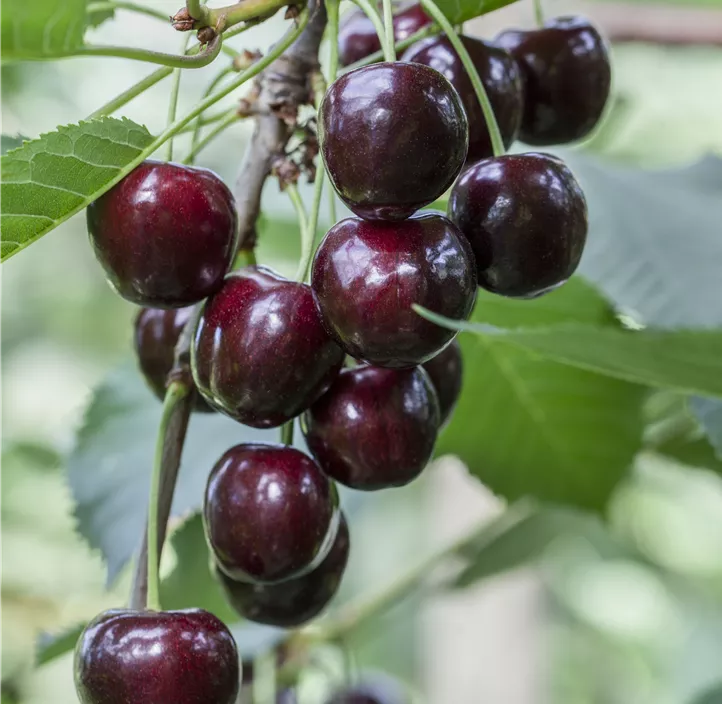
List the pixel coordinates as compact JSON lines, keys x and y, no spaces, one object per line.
{"x":394,"y":137}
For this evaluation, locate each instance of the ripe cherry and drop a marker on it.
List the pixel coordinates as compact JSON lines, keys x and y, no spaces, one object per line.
{"x":374,"y":428}
{"x":526,"y":218}
{"x":393,"y":136}
{"x":261,"y":354}
{"x":357,"y":37}
{"x":567,"y":75}
{"x":270,"y":514}
{"x":446,"y":372}
{"x":366,"y":276}
{"x":296,"y":601}
{"x":499,"y":73}
{"x":156,"y":335}
{"x":165,"y":235}
{"x":147,"y":657}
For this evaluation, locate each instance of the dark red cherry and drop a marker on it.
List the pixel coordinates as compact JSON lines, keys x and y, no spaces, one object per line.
{"x":357,"y":37}
{"x":156,"y":335}
{"x":446,"y":372}
{"x":149,"y":657}
{"x":567,"y":75}
{"x":393,"y":136}
{"x":270,"y":514}
{"x":374,"y":428}
{"x":260,"y":353}
{"x":375,"y":691}
{"x":366,"y":276}
{"x":526,"y":218}
{"x":165,"y":235}
{"x":499,"y":73}
{"x":296,"y":601}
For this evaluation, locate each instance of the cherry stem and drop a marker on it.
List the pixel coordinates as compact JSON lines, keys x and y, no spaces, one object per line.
{"x":199,"y":122}
{"x":173,"y":99}
{"x":538,"y":13}
{"x":389,"y":49}
{"x":287,"y":433}
{"x":245,"y":257}
{"x":135,"y":90}
{"x":230,"y":119}
{"x":301,"y":214}
{"x":377,"y":56}
{"x":95,"y":7}
{"x":372,"y":13}
{"x":438,"y":16}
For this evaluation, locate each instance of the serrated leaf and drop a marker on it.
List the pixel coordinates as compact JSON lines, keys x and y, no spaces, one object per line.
{"x":9,"y":142}
{"x":654,"y":246}
{"x":51,"y":178}
{"x":42,"y":29}
{"x":529,"y":426}
{"x":458,"y":11}
{"x":52,"y":645}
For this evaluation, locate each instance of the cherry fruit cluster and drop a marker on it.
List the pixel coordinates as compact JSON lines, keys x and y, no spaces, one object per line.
{"x":371,"y":380}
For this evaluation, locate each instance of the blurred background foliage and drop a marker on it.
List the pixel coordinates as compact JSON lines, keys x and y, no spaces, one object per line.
{"x":626,"y":614}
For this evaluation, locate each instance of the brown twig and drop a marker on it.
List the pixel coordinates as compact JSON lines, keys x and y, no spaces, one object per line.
{"x":280,"y":89}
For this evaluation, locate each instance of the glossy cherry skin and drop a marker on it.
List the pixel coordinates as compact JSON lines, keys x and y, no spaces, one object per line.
{"x":526,"y":218}
{"x":367,"y":275}
{"x":261,"y":354}
{"x":357,"y":37}
{"x":156,"y":334}
{"x":165,"y":235}
{"x":296,"y":601}
{"x":270,"y":514}
{"x":567,"y":74}
{"x":370,"y":692}
{"x":148,"y":657}
{"x":446,"y":372}
{"x":499,"y":73}
{"x":374,"y":428}
{"x":393,"y":136}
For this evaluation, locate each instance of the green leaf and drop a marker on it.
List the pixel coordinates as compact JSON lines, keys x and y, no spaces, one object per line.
{"x":459,"y":11}
{"x":51,"y":178}
{"x":9,"y":142}
{"x":97,"y":17}
{"x":688,"y":361}
{"x":42,"y":29}
{"x":530,"y":426}
{"x":654,"y":247}
{"x":52,"y":645}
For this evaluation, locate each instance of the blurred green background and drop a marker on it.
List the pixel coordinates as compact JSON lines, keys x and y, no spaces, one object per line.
{"x":589,"y":623}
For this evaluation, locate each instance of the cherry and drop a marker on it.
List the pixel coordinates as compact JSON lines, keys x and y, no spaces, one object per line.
{"x":147,"y":657}
{"x":165,"y":235}
{"x":567,"y":75}
{"x":156,"y":335}
{"x":374,"y":428}
{"x":296,"y":601}
{"x":260,"y":353}
{"x":499,"y":73}
{"x":357,"y":37}
{"x":370,"y":692}
{"x":366,"y":275}
{"x":270,"y":513}
{"x":446,"y":372}
{"x":393,"y":136}
{"x":526,"y":218}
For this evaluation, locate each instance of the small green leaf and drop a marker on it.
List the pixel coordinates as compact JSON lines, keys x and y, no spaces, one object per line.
{"x":525,"y":425}
{"x":42,"y":29}
{"x":51,"y":178}
{"x":459,"y":11}
{"x":52,"y":645}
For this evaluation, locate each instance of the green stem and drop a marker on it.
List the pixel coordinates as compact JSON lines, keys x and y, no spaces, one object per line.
{"x":231,"y":15}
{"x":377,"y":56}
{"x":173,"y":99}
{"x":538,"y":13}
{"x":389,"y":49}
{"x":439,"y":18}
{"x":332,"y":11}
{"x":245,"y":257}
{"x":195,"y":9}
{"x":223,"y":125}
{"x":211,"y":87}
{"x":135,"y":90}
{"x":94,"y":7}
{"x":373,"y":14}
{"x":154,"y":57}
{"x":300,"y":208}
{"x":176,"y":392}
{"x":204,"y":121}
{"x":287,"y":433}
